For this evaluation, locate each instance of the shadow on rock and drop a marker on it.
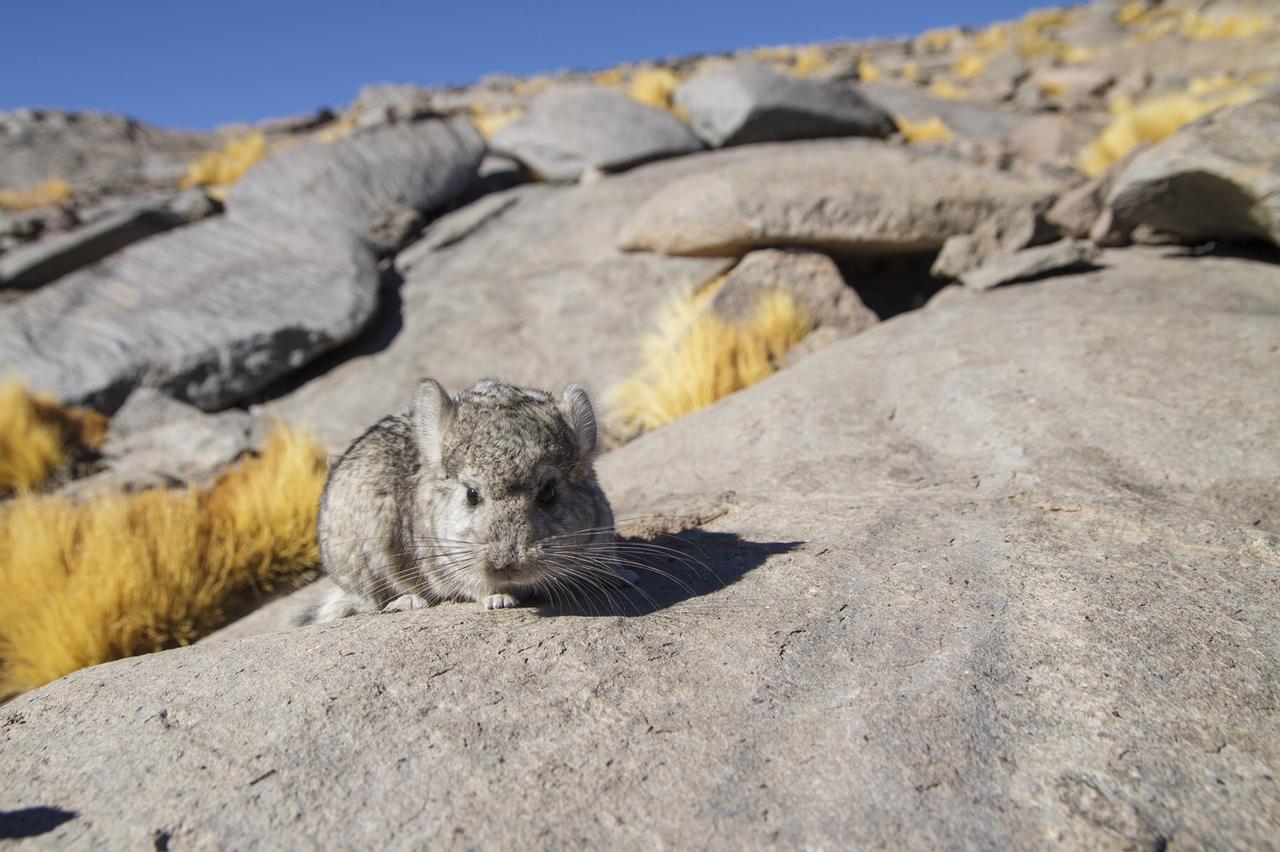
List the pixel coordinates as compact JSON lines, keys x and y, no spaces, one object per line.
{"x":32,"y":822}
{"x":670,"y":569}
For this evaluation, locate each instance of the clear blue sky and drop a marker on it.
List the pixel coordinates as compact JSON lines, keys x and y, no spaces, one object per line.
{"x":197,"y":64}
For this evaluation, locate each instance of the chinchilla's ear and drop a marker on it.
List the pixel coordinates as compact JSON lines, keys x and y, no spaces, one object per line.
{"x":576,"y":406}
{"x":432,"y":417}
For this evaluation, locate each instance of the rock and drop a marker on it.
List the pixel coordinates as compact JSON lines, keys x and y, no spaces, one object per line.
{"x":828,"y":194}
{"x":749,"y":104}
{"x":357,"y":182}
{"x":214,"y":312}
{"x":98,"y":154}
{"x":1051,"y":139}
{"x":996,"y":238}
{"x":990,"y":574}
{"x":146,"y":409}
{"x":187,"y":450}
{"x":966,"y":119}
{"x":525,"y":284}
{"x":41,"y":262}
{"x":381,"y":103}
{"x":1218,"y":178}
{"x":1031,"y":263}
{"x":812,"y":279}
{"x":571,"y":128}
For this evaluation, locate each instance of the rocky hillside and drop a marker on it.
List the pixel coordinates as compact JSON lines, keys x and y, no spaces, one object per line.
{"x":992,"y":558}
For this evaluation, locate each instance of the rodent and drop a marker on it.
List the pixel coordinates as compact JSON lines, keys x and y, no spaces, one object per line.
{"x":489,"y":496}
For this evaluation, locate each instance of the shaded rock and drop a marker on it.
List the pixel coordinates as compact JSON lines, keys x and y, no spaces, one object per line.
{"x":966,"y":119}
{"x":812,"y":279}
{"x":750,"y":104}
{"x":361,"y":180}
{"x":381,"y":103}
{"x":997,"y":237}
{"x":989,"y":576}
{"x":833,"y":195}
{"x":43,"y":261}
{"x":1031,"y":263}
{"x":1218,"y":178}
{"x":145,"y":409}
{"x":216,"y":311}
{"x":569,"y":129}
{"x":190,"y":450}
{"x":525,"y":284}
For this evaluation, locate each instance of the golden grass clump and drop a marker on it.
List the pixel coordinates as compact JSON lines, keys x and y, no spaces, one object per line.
{"x":36,"y":435}
{"x":936,"y":41}
{"x":867,"y":70}
{"x":968,"y":66}
{"x":809,"y":60}
{"x":653,"y":87}
{"x":489,"y":123}
{"x":225,"y":166}
{"x":692,"y":357}
{"x":948,"y":91}
{"x":932,"y":129}
{"x":1155,"y":120}
{"x":1194,"y":25}
{"x":46,"y":194}
{"x":118,"y":575}
{"x":910,"y":70}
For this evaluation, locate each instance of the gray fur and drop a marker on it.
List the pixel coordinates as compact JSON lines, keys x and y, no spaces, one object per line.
{"x":397,"y":530}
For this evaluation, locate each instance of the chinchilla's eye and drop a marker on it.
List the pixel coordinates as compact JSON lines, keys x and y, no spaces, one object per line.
{"x":547,"y":494}
{"x":473,"y":497}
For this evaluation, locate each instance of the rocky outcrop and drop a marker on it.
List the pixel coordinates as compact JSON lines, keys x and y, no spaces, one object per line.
{"x":1031,"y":263}
{"x":749,"y":104}
{"x":810,"y":278}
{"x":216,"y":311}
{"x":976,"y":576}
{"x":1216,"y":179}
{"x":569,"y":130}
{"x":831,"y":194}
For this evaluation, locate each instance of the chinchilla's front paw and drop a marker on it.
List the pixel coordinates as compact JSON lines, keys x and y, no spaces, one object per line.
{"x":405,"y":602}
{"x":503,"y":601}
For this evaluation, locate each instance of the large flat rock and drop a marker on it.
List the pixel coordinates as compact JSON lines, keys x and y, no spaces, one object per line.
{"x":998,"y":573}
{"x":854,"y":195}
{"x":216,"y":311}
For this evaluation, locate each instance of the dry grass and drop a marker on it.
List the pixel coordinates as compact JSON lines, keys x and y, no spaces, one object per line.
{"x":653,"y":86}
{"x":489,"y":123}
{"x":932,"y":129}
{"x":82,"y":584}
{"x":46,"y":194}
{"x":868,"y":72}
{"x":692,"y":357}
{"x":948,"y":91}
{"x":1156,"y":119}
{"x":225,"y":166}
{"x":37,"y":436}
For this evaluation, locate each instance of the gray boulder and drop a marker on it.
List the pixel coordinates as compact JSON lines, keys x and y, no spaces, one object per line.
{"x":1216,"y":179}
{"x":749,"y":103}
{"x":1032,"y":263}
{"x":573,"y":128}
{"x":996,"y":238}
{"x":810,"y":278}
{"x":966,"y":119}
{"x":853,"y":195}
{"x":41,"y":262}
{"x":216,"y":311}
{"x":977,"y":577}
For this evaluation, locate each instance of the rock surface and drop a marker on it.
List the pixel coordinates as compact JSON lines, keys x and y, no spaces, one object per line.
{"x":1216,"y":179}
{"x":995,"y":238}
{"x":569,"y":130}
{"x":1004,"y":586}
{"x":216,"y":311}
{"x":826,"y":194}
{"x":745,"y":105}
{"x":1031,"y":263}
{"x":812,"y":279}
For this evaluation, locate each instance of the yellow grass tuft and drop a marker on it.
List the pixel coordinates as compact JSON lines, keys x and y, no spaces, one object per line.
{"x":932,"y":129}
{"x":867,"y":70}
{"x":692,"y":357}
{"x":46,"y":194}
{"x":610,"y":76}
{"x":809,"y":60}
{"x":36,"y":435}
{"x":968,"y":66}
{"x":948,"y":91}
{"x":910,"y":70}
{"x":1154,"y":120}
{"x":82,"y":584}
{"x":224,"y":167}
{"x":936,"y":41}
{"x":653,"y":86}
{"x":489,"y":123}
{"x":1203,"y":27}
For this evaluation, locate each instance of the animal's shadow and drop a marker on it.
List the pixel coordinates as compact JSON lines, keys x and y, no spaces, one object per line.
{"x":670,"y":569}
{"x":32,"y":822}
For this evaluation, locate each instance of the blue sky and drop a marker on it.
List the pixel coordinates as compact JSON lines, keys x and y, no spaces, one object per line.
{"x":200,"y":64}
